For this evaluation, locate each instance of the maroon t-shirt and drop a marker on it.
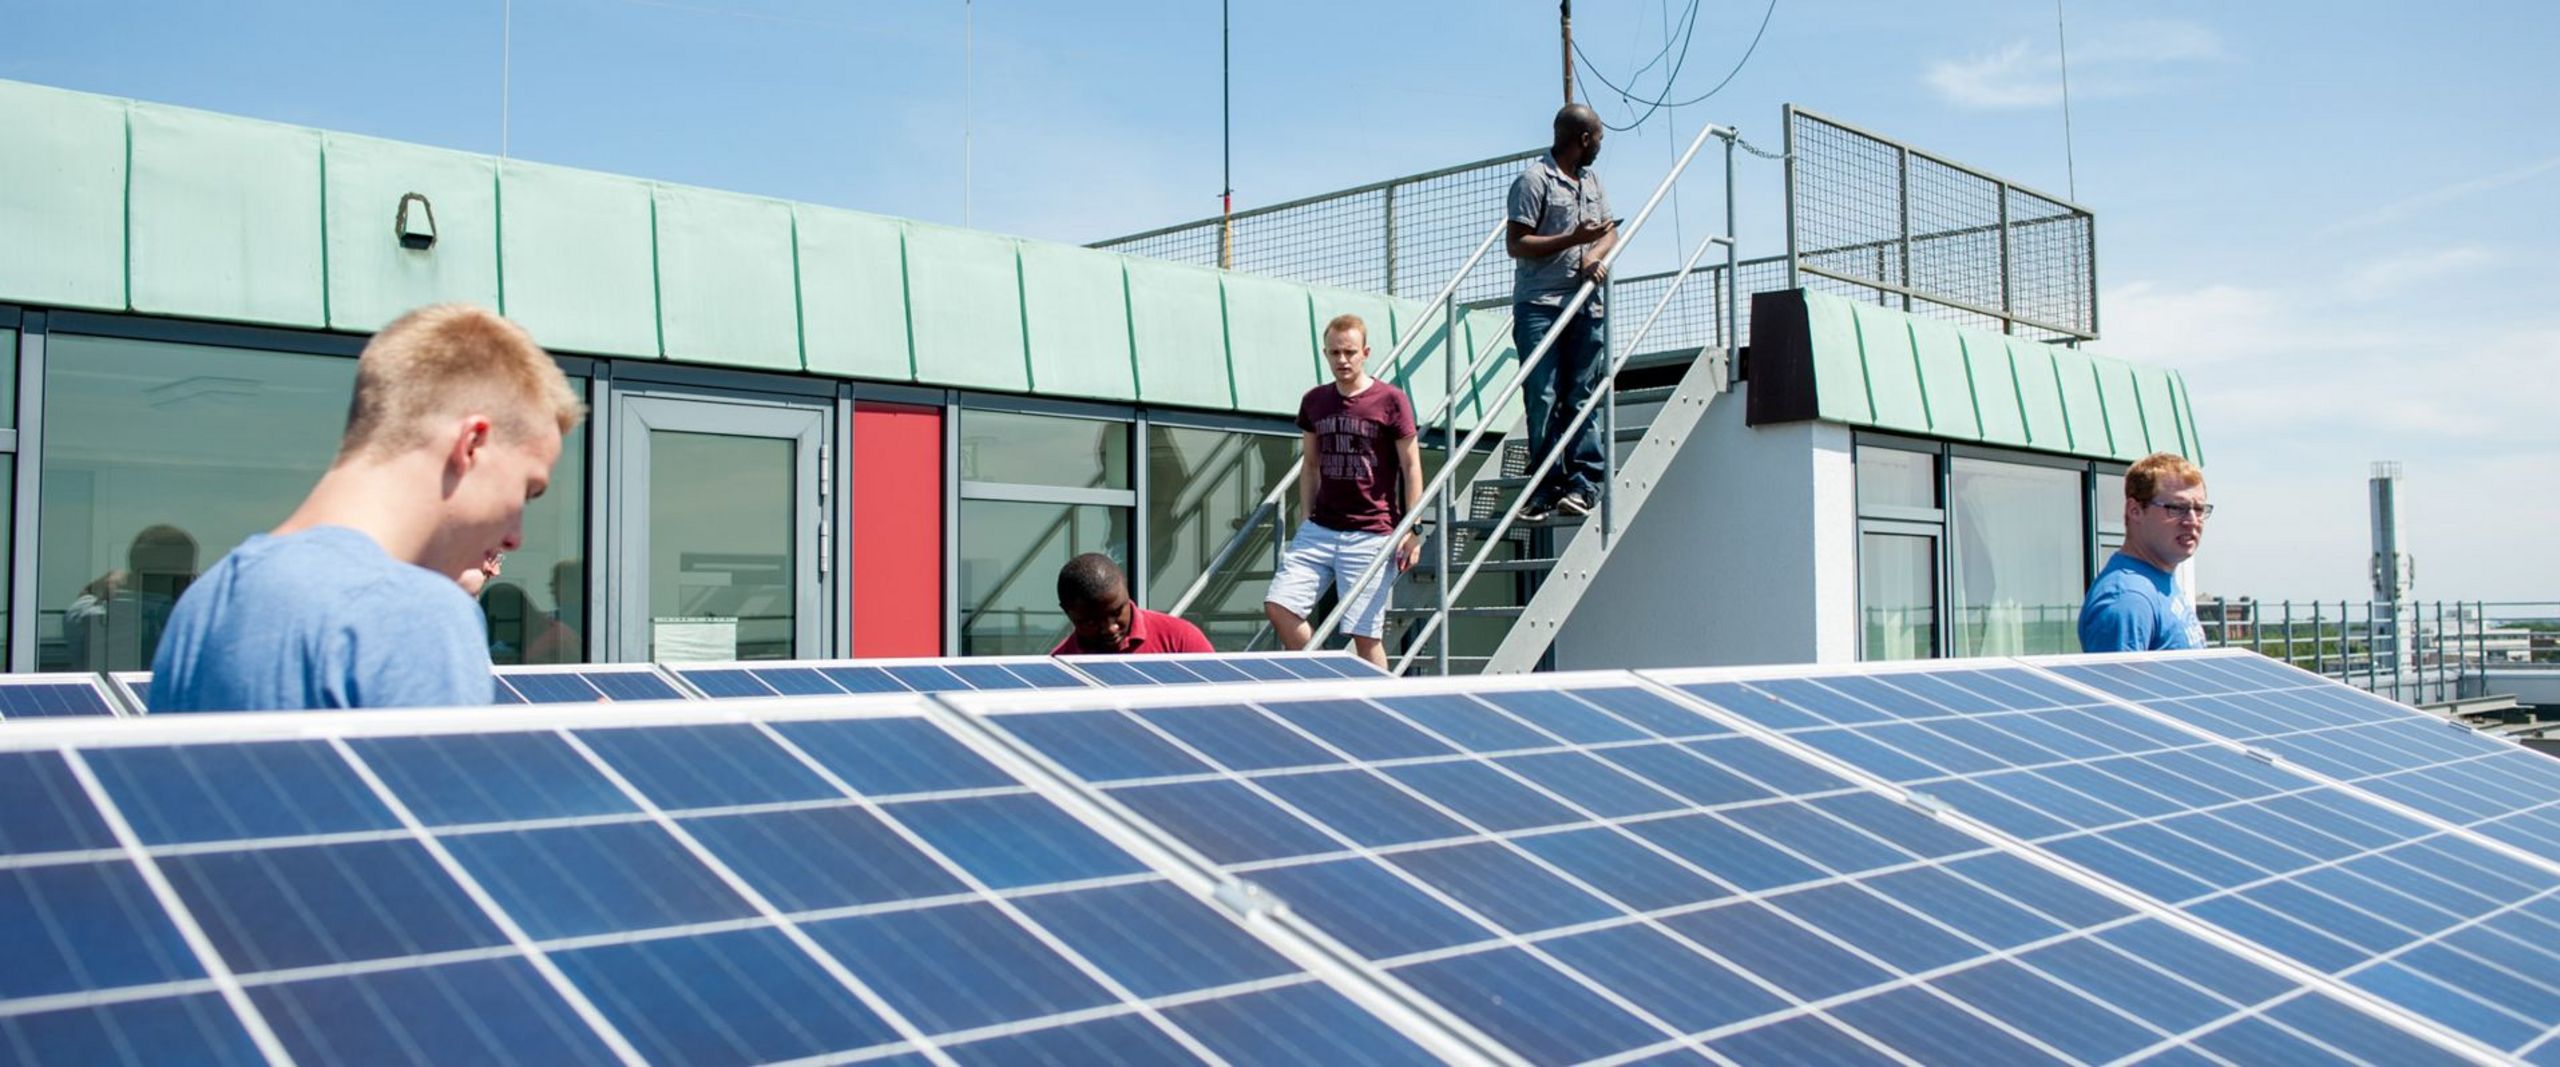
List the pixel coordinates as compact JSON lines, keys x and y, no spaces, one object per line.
{"x":1357,"y":475}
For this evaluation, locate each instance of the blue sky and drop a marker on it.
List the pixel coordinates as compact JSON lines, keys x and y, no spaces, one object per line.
{"x":2334,"y":218}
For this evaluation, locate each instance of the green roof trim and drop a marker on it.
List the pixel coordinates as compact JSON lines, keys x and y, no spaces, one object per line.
{"x":170,"y":211}
{"x":1819,"y":356}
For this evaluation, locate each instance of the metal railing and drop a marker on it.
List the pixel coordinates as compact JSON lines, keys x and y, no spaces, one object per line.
{"x":1438,"y":492}
{"x":1397,"y":236}
{"x":1933,"y":236}
{"x":2415,"y":652}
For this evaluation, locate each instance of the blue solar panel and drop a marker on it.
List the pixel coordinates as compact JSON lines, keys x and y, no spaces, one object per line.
{"x":752,"y":679}
{"x":2410,"y":912}
{"x":1221,"y":667}
{"x":1651,"y":878}
{"x":566,"y":684}
{"x":53,"y":696}
{"x":466,"y":887}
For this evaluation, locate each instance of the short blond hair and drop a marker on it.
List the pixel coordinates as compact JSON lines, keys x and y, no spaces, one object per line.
{"x":1348,"y":321}
{"x":2142,"y":480}
{"x":448,"y":360}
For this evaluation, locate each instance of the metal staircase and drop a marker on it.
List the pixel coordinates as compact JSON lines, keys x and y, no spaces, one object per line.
{"x":1543,"y":568}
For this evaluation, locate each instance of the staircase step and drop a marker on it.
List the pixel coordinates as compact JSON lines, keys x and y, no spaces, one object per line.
{"x":1499,"y":611}
{"x":1632,"y":433}
{"x":1649,"y":395}
{"x":1558,"y":519}
{"x":1429,"y":566}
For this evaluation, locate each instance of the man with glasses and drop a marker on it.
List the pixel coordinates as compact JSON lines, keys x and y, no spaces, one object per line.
{"x":1559,"y":233}
{"x":2136,"y":605}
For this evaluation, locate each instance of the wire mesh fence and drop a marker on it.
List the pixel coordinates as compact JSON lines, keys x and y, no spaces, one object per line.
{"x":1403,"y":237}
{"x":1910,"y":229}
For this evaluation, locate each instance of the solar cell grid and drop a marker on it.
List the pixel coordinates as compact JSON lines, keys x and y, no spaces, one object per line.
{"x":1649,"y":891}
{"x":786,"y":678}
{"x":2377,"y":747}
{"x":52,"y":696}
{"x":463,"y":888}
{"x":2290,"y":863}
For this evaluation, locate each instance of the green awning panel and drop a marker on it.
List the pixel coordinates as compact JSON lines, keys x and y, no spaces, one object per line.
{"x":1271,"y":350}
{"x":1818,"y":356}
{"x":65,"y":173}
{"x":578,"y":259}
{"x":725,"y":284}
{"x":1074,"y":306}
{"x":853,"y":293}
{"x":373,"y":281}
{"x":1181,"y":335}
{"x":225,"y":219}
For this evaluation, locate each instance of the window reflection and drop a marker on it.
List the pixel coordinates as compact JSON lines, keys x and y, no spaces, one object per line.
{"x":1897,"y":584}
{"x":159,"y":457}
{"x":2019,"y":554}
{"x":1202,"y":486}
{"x":1010,"y":553}
{"x":1003,"y":446}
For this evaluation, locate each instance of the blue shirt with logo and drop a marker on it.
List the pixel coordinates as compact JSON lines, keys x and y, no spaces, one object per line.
{"x":322,"y":618}
{"x":2136,"y":607}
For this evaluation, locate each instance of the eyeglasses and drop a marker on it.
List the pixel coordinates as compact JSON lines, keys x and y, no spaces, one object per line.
{"x":2183,"y":512}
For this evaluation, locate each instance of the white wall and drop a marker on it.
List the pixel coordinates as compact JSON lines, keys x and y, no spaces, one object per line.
{"x":1746,"y":553}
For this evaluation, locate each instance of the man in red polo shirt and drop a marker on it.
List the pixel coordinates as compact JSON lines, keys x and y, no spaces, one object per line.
{"x":1096,"y":599}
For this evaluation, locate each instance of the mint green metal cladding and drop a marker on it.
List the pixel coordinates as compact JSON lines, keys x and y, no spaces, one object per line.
{"x":964,"y":308}
{"x":853,"y":294}
{"x":1180,"y":333}
{"x":578,"y":259}
{"x":1075,"y":308}
{"x":1271,"y":344}
{"x":726,"y":291}
{"x":373,"y":280}
{"x":1880,"y":367}
{"x":225,"y":218}
{"x":62,"y":217}
{"x":169,"y":211}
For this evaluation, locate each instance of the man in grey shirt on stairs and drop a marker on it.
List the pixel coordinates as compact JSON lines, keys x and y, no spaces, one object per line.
{"x":1560,"y":232}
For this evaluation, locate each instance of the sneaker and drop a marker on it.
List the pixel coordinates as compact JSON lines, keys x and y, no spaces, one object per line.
{"x":1537,"y":511}
{"x":1577,"y":503}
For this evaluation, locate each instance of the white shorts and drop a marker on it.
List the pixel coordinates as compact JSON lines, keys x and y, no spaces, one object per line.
{"x":1319,"y":557}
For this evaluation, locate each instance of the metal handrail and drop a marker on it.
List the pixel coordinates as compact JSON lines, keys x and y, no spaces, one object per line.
{"x":1289,"y":478}
{"x":1546,"y":345}
{"x":1581,"y":415}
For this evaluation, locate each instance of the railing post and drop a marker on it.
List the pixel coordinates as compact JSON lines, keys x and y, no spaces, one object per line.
{"x":1787,"y":149}
{"x":1447,"y":516}
{"x":1390,"y":261}
{"x":1730,"y":337}
{"x":2372,"y":662}
{"x":2319,"y":650}
{"x":2008,"y":300}
{"x":1903,"y":190}
{"x":2440,"y":659}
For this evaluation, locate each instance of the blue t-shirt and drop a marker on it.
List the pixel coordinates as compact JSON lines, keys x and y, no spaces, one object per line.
{"x":2136,"y":607}
{"x":323,"y":618}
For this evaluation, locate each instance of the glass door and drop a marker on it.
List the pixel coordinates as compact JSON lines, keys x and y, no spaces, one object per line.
{"x":719,"y":529}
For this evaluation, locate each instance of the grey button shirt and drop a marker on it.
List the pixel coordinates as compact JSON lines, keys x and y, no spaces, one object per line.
{"x":1549,"y":201}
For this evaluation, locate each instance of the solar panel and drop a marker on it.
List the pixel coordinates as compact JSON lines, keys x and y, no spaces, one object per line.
{"x":831,"y":677}
{"x":1582,"y":867}
{"x":53,"y":696}
{"x":2382,"y":749}
{"x":2435,"y":922}
{"x":1221,"y":667}
{"x":675,"y":883}
{"x":573,"y":683}
{"x":583,"y":683}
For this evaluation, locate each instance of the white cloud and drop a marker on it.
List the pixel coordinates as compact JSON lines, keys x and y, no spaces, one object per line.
{"x":2124,"y":60}
{"x":2296,"y":390}
{"x":2400,"y":273}
{"x":2407,"y":206}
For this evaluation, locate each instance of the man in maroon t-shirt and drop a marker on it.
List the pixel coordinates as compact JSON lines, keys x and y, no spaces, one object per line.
{"x":1363,"y":472}
{"x":1095,"y":597}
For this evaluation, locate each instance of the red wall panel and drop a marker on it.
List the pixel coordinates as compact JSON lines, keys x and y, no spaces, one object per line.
{"x":896,"y":548}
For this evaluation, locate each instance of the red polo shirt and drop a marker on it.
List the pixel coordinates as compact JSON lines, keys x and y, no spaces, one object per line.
{"x":1149,"y":631}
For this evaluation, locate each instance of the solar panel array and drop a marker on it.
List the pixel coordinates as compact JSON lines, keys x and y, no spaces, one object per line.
{"x":1987,"y":861}
{"x":761,"y":679}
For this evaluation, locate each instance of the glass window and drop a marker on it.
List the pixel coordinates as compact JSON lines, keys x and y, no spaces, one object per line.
{"x":1897,"y":586}
{"x":1202,"y":486}
{"x":1003,"y":446}
{"x":2106,"y":499}
{"x":158,"y":457}
{"x":1894,"y":478}
{"x":2020,"y":552}
{"x":1010,"y":552}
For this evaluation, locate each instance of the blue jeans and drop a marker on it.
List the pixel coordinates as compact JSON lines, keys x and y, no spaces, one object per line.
{"x":1573,"y":369}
